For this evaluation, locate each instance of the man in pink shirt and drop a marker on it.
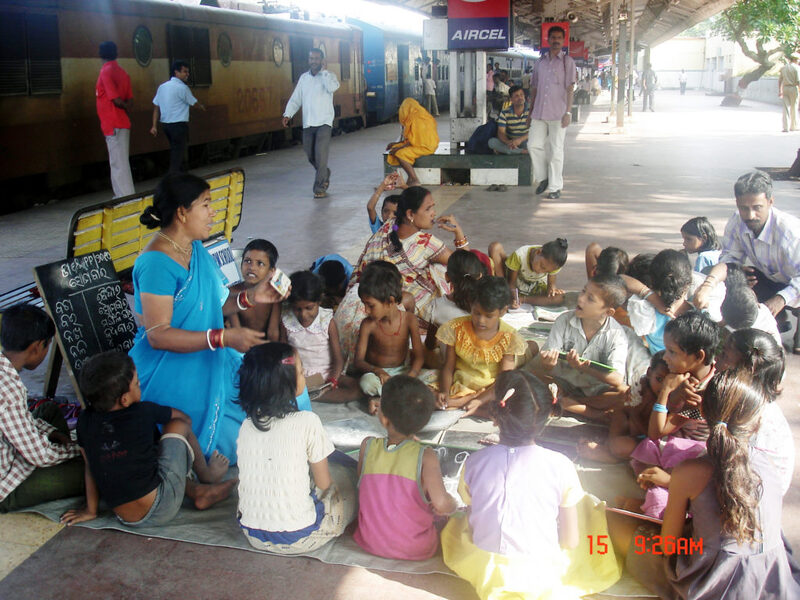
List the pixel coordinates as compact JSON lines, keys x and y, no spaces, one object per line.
{"x":114,"y":99}
{"x":552,"y":86}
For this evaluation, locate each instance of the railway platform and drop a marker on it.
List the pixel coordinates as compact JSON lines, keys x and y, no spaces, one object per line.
{"x":631,"y":189}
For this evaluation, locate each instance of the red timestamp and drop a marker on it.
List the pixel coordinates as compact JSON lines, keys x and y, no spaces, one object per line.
{"x":667,"y":545}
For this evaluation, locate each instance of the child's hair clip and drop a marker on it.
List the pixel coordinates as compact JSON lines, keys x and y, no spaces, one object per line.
{"x":289,"y":360}
{"x":395,"y":227}
{"x":508,"y":395}
{"x":554,"y":391}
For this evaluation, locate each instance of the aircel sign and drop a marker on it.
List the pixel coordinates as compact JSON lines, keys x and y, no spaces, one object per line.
{"x":478,"y":24}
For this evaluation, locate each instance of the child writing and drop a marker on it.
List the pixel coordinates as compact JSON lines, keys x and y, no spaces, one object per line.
{"x":389,"y":206}
{"x":478,"y":348}
{"x":143,"y":481}
{"x":734,"y":498}
{"x":259,"y":260}
{"x":311,"y":330}
{"x":757,"y":353}
{"x":629,"y":424}
{"x":38,"y":461}
{"x":521,"y":501}
{"x":291,"y":499}
{"x":400,"y":478}
{"x":585,"y":336}
{"x":532,"y":271}
{"x":700,"y":237}
{"x":383,"y":338}
{"x":691,"y":341}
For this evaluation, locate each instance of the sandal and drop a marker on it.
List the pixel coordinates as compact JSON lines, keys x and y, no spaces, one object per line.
{"x":321,"y":194}
{"x":502,"y":188}
{"x":492,"y":188}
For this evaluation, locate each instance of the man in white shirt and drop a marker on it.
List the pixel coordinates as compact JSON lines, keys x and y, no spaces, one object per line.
{"x":172,"y":101}
{"x":429,"y":88}
{"x":314,"y":94}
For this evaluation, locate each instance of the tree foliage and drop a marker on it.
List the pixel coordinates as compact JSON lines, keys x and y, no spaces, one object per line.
{"x":766,"y":30}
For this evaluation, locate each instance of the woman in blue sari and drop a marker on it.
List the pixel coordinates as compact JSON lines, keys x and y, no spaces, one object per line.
{"x":184,"y":357}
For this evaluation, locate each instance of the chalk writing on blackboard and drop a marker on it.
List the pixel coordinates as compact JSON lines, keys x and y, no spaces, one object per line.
{"x":88,"y":306}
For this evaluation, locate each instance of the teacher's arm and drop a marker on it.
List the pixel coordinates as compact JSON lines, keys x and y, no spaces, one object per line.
{"x":262,"y":293}
{"x":161,"y":335}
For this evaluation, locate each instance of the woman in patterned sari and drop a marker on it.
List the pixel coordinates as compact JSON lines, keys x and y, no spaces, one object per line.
{"x":420,"y":257}
{"x":183,"y":356}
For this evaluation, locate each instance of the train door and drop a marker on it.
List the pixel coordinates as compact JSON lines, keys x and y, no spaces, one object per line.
{"x":298,"y":51}
{"x":402,"y":72}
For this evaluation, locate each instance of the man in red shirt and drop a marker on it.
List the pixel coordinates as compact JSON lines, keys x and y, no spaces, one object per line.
{"x":113,"y":103}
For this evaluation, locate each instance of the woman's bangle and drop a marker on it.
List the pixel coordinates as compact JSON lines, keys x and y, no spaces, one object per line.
{"x":222,"y":338}
{"x":461,"y":243}
{"x":242,"y":301}
{"x":334,"y":382}
{"x":208,"y":340}
{"x":660,"y":408}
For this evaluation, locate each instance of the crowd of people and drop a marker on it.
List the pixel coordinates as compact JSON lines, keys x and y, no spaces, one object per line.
{"x":680,"y":360}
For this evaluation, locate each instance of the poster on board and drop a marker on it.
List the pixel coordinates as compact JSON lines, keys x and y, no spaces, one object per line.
{"x":479,"y":25}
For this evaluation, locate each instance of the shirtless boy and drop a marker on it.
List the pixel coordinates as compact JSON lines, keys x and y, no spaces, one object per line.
{"x":382,"y":347}
{"x":258,"y":262}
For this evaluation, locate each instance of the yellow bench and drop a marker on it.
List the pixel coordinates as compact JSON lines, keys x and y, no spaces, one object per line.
{"x":114,"y":225}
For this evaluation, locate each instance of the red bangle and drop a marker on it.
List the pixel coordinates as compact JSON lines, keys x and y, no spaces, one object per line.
{"x":242,"y":300}
{"x":216,"y":338}
{"x":334,"y":382}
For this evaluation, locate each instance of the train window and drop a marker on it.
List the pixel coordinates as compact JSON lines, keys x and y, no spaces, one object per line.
{"x":44,"y":54}
{"x":344,"y":59}
{"x":192,"y":45}
{"x":416,"y":72}
{"x":143,"y":45}
{"x":13,"y":63}
{"x":324,"y":50}
{"x":224,"y":49}
{"x":277,"y":52}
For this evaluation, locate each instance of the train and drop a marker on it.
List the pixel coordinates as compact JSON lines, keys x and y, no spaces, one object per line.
{"x":243,"y":67}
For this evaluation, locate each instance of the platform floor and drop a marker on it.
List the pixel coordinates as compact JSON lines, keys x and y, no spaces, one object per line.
{"x":631,"y":189}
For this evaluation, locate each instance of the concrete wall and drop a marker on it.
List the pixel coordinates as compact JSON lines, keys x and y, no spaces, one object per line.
{"x":763,"y":90}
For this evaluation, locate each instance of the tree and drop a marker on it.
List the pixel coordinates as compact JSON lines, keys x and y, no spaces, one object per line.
{"x":761,"y":23}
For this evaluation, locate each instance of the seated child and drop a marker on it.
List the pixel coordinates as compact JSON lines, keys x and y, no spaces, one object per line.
{"x":742,"y":310}
{"x":479,"y":347}
{"x":141,"y":479}
{"x":383,"y":338}
{"x":400,"y":477}
{"x":605,"y":261}
{"x":258,"y":263}
{"x":312,"y":331}
{"x":532,"y":270}
{"x":291,"y":499}
{"x":389,"y":206}
{"x":335,"y":272}
{"x":691,"y":341}
{"x":733,"y":497}
{"x":629,"y":424}
{"x":699,"y":236}
{"x":522,"y":503}
{"x":756,"y":352}
{"x":37,"y":457}
{"x":586,"y":334}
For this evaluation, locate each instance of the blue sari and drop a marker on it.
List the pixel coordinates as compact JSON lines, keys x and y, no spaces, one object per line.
{"x":201,"y":384}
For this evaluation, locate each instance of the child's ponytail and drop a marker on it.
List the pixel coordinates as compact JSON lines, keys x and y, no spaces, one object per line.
{"x":522,"y":406}
{"x":556,"y":251}
{"x":464,"y":270}
{"x":732,"y":407}
{"x":411,"y":199}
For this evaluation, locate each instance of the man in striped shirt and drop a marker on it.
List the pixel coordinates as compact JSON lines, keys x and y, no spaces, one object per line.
{"x":766,"y":242}
{"x":512,"y":126}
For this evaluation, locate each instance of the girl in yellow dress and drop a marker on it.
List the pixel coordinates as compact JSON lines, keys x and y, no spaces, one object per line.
{"x":478,"y":348}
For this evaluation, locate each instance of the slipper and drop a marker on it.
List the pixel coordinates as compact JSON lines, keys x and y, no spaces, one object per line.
{"x":327,"y":181}
{"x":322,"y":194}
{"x":492,"y":188}
{"x":502,"y":188}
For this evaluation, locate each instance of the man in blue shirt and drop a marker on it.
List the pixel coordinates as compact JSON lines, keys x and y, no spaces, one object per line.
{"x":172,"y":101}
{"x":314,"y":94}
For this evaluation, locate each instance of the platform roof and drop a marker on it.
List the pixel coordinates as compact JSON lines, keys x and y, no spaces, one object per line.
{"x":656,"y":20}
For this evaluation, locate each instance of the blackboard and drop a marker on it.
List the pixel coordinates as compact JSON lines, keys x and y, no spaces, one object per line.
{"x":85,"y":299}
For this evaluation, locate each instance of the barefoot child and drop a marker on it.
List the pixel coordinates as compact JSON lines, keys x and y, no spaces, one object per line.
{"x":312,"y":331}
{"x":581,"y":338}
{"x":258,"y":263}
{"x":291,"y":500}
{"x":401,"y":478}
{"x":143,"y":482}
{"x":532,"y":270}
{"x":479,"y":347}
{"x":389,"y":206}
{"x":629,"y":424}
{"x":383,"y":339}
{"x":38,"y":461}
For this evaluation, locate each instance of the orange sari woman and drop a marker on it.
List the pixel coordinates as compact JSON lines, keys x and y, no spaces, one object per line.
{"x":419,"y":138}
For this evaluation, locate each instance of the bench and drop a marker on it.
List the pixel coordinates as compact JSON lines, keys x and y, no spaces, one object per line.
{"x":114,"y":226}
{"x":471,"y":169}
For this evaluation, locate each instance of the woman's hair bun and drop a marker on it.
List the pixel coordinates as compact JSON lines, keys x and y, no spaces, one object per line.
{"x":150,"y":218}
{"x":562,"y":242}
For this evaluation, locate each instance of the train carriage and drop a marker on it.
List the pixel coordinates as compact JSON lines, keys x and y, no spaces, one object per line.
{"x":243,"y":69}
